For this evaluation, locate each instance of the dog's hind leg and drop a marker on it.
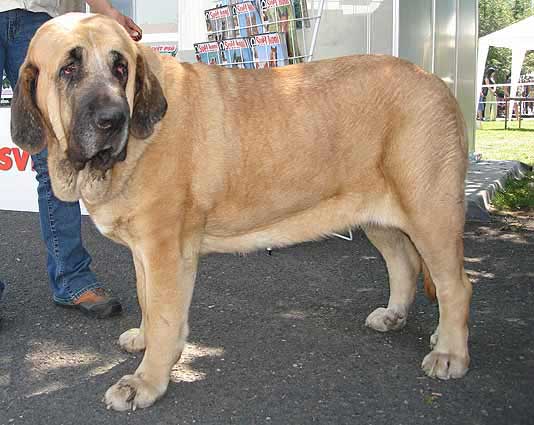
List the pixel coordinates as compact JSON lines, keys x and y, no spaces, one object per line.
{"x":439,"y":240}
{"x":133,"y":340}
{"x":403,"y":264}
{"x":170,"y":268}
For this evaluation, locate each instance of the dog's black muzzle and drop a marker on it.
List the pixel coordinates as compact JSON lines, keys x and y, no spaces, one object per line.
{"x":99,"y":131}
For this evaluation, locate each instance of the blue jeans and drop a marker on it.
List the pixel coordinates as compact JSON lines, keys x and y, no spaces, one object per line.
{"x":68,"y":262}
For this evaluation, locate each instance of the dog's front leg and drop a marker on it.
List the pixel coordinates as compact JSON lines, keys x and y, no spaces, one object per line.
{"x":133,"y":340}
{"x":170,"y":272}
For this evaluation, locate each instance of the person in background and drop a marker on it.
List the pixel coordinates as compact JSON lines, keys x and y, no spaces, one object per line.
{"x":480,"y":109}
{"x":490,"y":111}
{"x":72,"y":281}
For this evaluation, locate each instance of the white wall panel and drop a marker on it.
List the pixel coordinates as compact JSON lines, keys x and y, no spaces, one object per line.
{"x":415,"y":32}
{"x":467,"y":63}
{"x":381,"y":28}
{"x":445,"y":42}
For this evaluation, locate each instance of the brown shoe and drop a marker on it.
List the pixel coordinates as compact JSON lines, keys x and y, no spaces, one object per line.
{"x":95,"y":303}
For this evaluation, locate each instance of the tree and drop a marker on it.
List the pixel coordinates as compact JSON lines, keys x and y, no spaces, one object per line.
{"x":494,"y":15}
{"x":521,"y":9}
{"x":498,"y":14}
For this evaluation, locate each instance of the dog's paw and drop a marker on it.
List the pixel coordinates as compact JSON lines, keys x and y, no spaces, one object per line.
{"x":434,"y":339}
{"x":386,"y":319}
{"x":445,"y":365}
{"x":132,"y":340}
{"x":131,"y":392}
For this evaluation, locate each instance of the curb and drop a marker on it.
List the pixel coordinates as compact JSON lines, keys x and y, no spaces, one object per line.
{"x":484,"y":180}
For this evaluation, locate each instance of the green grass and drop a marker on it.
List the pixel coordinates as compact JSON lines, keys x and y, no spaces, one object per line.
{"x":519,"y":195}
{"x":493,"y":142}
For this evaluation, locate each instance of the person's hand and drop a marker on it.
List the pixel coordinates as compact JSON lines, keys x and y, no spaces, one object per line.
{"x":131,"y":27}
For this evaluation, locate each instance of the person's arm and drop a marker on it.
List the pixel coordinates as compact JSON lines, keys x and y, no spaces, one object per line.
{"x":105,"y":8}
{"x":100,"y":6}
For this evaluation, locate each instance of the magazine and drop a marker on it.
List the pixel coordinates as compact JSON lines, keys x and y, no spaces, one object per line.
{"x":219,"y":23}
{"x":279,"y":16}
{"x":301,"y":12}
{"x":208,"y":52}
{"x":237,"y":53}
{"x":247,"y":20}
{"x":269,"y":50}
{"x":300,"y":7}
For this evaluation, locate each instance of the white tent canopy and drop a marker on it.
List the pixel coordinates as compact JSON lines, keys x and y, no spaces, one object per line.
{"x":519,"y":37}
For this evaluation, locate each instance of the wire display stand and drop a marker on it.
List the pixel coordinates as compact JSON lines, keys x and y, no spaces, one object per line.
{"x":261,"y":33}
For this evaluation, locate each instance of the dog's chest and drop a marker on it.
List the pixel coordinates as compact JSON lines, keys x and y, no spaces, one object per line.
{"x":104,"y":227}
{"x":108,"y":224}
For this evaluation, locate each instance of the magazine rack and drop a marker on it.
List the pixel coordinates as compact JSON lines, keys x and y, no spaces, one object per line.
{"x":301,"y":43}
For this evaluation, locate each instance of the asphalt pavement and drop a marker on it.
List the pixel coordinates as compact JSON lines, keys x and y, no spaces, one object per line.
{"x":274,"y":339}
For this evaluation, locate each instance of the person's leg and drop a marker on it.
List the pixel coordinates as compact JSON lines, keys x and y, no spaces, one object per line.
{"x":487,"y":107}
{"x":72,"y":281}
{"x":480,"y":110}
{"x":3,"y":39}
{"x":68,"y":262}
{"x":494,"y":109}
{"x":491,"y":107}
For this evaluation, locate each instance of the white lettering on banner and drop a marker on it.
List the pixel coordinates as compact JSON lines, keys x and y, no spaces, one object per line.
{"x":18,"y":187}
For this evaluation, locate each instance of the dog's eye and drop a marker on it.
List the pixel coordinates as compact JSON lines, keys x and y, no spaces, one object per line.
{"x":68,"y":70}
{"x":121,"y":70}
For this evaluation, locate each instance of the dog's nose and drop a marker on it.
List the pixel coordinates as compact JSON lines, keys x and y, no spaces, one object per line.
{"x":110,"y":118}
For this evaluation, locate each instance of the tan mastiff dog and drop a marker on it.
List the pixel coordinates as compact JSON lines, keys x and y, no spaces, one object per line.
{"x":177,"y":160}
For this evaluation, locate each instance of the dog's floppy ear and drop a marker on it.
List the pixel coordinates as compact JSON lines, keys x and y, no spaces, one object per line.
{"x":150,"y":104}
{"x":27,"y":124}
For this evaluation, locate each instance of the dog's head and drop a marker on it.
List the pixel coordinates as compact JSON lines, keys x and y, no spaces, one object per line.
{"x":83,"y":89}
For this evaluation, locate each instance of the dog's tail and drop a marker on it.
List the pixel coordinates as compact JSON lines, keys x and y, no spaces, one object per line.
{"x":428,"y":283}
